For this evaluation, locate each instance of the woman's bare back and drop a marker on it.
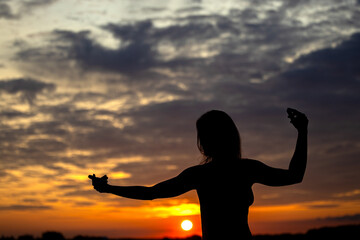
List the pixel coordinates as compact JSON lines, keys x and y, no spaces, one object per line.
{"x":224,"y":191}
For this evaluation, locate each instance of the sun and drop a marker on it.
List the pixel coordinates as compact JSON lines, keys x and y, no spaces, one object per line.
{"x":186,"y":225}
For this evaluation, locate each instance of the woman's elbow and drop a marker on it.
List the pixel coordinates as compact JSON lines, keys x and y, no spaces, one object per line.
{"x":297,"y":178}
{"x":153,"y":193}
{"x":148,"y":198}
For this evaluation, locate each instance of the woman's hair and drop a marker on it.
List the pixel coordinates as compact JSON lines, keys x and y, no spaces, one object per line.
{"x":218,"y":136}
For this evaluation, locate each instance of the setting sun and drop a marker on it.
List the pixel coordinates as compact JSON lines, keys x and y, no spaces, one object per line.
{"x":186,"y":225}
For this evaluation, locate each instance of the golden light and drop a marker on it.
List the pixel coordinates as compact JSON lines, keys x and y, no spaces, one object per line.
{"x":186,"y":225}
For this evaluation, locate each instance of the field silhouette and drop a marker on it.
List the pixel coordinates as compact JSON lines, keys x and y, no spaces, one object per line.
{"x":346,"y":232}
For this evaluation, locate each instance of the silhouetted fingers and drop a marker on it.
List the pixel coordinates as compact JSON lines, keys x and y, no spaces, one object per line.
{"x":99,"y":183}
{"x":294,"y":114}
{"x":290,"y":110}
{"x":104,"y":177}
{"x":92,"y":176}
{"x":298,"y":119}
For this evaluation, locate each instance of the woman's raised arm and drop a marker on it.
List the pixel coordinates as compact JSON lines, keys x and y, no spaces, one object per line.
{"x":294,"y":174}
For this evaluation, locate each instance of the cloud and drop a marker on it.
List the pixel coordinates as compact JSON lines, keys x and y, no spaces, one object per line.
{"x":345,"y":218}
{"x":189,"y":9}
{"x":84,"y":204}
{"x":171,"y":122}
{"x":322,"y":205}
{"x":153,"y":9}
{"x":47,"y":145}
{"x":250,"y":44}
{"x":90,"y":56}
{"x":27,"y":87}
{"x":177,"y":72}
{"x":5,"y":11}
{"x":3,"y":173}
{"x":139,"y":50}
{"x":80,"y":193}
{"x":24,"y":207}
{"x":14,"y":114}
{"x":352,"y":193}
{"x":37,"y":3}
{"x":324,"y":76}
{"x":24,"y":7}
{"x":326,"y":84}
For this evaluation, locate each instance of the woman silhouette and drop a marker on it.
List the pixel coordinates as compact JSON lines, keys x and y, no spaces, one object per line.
{"x":223,"y":182}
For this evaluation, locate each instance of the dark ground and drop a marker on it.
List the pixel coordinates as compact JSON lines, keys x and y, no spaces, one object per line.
{"x":347,"y":232}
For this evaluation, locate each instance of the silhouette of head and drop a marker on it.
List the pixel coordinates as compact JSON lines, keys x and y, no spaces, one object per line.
{"x":218,"y":136}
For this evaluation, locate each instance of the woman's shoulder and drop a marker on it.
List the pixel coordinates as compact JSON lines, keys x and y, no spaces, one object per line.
{"x":194,"y":169}
{"x":243,"y":163}
{"x":231,"y":163}
{"x":249,"y":161}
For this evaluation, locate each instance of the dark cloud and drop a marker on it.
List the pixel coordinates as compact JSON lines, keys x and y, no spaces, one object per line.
{"x":341,"y":61}
{"x":327,"y":77}
{"x":189,"y":9}
{"x":345,"y":218}
{"x":25,"y":7}
{"x":28,"y":88}
{"x":91,"y":56}
{"x":140,"y":44}
{"x":131,"y":32}
{"x":295,"y":3}
{"x":24,"y":207}
{"x":10,"y":113}
{"x":5,"y":11}
{"x":139,"y":49}
{"x":191,"y":32}
{"x":30,"y":200}
{"x":317,"y":206}
{"x":325,"y":84}
{"x":37,"y":150}
{"x":47,"y":145}
{"x":83,"y":204}
{"x":68,"y":186}
{"x":80,"y":193}
{"x":37,"y":3}
{"x":153,"y":9}
{"x":316,"y":225}
{"x":3,"y":173}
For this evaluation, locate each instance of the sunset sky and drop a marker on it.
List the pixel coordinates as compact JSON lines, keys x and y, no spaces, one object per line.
{"x":115,"y":87}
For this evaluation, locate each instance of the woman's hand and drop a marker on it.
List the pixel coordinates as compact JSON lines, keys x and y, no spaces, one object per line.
{"x":100,"y":184}
{"x":298,"y":119}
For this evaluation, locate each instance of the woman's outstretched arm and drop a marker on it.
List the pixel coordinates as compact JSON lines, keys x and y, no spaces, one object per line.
{"x":294,"y":174}
{"x":178,"y":185}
